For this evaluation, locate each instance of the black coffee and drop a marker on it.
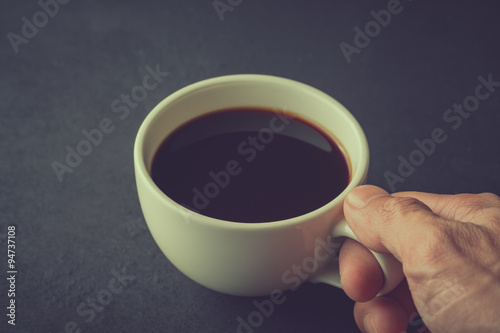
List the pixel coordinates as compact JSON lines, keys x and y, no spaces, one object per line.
{"x":250,"y":165}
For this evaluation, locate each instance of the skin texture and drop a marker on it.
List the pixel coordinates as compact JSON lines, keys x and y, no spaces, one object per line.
{"x":449,"y":246}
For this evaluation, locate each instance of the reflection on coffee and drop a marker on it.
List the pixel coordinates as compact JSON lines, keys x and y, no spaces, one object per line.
{"x":250,"y":165}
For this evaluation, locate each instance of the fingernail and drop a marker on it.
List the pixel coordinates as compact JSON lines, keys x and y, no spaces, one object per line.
{"x":361,"y":196}
{"x":368,"y":324}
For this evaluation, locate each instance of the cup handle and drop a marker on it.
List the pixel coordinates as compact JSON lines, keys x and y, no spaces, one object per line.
{"x":391,"y":267}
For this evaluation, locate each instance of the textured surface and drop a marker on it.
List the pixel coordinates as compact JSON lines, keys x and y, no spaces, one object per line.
{"x":74,"y":235}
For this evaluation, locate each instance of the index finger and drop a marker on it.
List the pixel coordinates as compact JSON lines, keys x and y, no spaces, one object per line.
{"x":463,"y":207}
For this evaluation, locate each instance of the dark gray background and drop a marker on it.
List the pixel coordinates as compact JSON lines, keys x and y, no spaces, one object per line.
{"x":71,"y":235}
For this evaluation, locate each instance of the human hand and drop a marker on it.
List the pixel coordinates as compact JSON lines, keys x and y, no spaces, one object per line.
{"x":449,"y":246}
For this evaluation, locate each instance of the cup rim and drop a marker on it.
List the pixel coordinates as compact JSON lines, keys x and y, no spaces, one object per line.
{"x":357,"y":177}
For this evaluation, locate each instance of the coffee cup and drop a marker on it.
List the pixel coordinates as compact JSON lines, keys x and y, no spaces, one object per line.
{"x":253,"y":259}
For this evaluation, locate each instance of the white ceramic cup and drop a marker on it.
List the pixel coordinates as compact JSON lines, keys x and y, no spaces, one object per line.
{"x":253,"y":259}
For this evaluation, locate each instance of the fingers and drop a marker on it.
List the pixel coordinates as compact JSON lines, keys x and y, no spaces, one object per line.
{"x":391,"y":313}
{"x":388,"y":224}
{"x":460,"y":207}
{"x":382,"y":314}
{"x":444,"y":242}
{"x":360,"y":274}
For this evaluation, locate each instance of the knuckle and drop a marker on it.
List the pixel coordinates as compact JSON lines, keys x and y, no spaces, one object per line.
{"x":399,"y":207}
{"x":479,"y":201}
{"x":491,"y":213}
{"x":472,"y":207}
{"x":493,"y":222}
{"x":490,"y":197}
{"x":402,"y":211}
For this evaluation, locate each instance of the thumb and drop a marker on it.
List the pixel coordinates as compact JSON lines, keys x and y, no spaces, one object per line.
{"x":385,"y":223}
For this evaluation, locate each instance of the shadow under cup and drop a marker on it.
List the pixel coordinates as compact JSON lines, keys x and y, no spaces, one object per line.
{"x":249,"y":259}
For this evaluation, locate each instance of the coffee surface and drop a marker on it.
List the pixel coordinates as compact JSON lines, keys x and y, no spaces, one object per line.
{"x":250,"y":165}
